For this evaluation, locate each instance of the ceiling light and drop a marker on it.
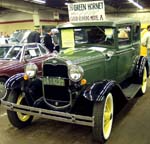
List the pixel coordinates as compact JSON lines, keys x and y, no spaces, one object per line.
{"x":36,"y":1}
{"x":39,"y":1}
{"x":136,"y":4}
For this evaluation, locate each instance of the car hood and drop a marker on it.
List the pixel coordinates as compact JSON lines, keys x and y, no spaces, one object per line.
{"x":83,"y":55}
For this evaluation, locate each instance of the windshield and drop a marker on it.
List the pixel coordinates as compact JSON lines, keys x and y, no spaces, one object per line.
{"x":14,"y":53}
{"x":4,"y":50}
{"x":88,"y":36}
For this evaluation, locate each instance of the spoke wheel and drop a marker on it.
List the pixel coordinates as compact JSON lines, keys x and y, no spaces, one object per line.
{"x":21,"y":116}
{"x":103,"y":118}
{"x":18,"y":119}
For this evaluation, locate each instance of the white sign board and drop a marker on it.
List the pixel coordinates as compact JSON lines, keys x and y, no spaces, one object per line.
{"x":86,"y":11}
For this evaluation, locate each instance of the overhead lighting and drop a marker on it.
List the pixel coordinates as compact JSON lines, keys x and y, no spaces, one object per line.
{"x":37,"y":1}
{"x":136,"y":4}
{"x":66,"y":3}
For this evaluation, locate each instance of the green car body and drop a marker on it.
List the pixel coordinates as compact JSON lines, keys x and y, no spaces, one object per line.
{"x":98,"y":65}
{"x":97,"y":71}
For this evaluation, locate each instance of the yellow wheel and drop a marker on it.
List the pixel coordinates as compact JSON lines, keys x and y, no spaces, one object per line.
{"x":18,"y":119}
{"x":103,"y":118}
{"x":144,"y":82}
{"x":21,"y":116}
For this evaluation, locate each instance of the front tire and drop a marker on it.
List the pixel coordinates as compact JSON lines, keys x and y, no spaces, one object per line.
{"x":18,"y":119}
{"x":103,"y":119}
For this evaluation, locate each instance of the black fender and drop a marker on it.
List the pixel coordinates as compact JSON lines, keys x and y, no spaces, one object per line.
{"x":32,"y":88}
{"x":14,"y":81}
{"x":98,"y":90}
{"x":91,"y":94}
{"x":138,"y":72}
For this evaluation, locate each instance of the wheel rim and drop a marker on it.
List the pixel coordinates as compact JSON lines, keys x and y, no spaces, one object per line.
{"x":22,"y":117}
{"x":108,"y":116}
{"x":144,"y":81}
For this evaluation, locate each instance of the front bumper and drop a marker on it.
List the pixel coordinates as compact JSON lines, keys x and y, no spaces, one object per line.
{"x":49,"y":114}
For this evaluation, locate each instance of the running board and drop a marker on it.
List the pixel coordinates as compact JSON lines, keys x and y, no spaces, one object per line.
{"x":132,"y":90}
{"x":50,"y":114}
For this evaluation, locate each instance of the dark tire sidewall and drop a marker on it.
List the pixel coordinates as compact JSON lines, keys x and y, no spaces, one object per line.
{"x":98,"y":112}
{"x":12,"y":115}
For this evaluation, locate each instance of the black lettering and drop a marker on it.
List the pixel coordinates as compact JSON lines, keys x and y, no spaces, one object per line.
{"x":94,"y":17}
{"x":101,"y":17}
{"x":70,"y":8}
{"x":95,"y":6}
{"x":80,"y":7}
{"x":83,"y":18}
{"x":74,"y":18}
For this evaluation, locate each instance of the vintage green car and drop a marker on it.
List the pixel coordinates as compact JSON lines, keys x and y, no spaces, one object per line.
{"x":97,"y":71}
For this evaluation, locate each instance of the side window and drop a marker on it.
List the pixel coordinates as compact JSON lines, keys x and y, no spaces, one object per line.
{"x":32,"y":53}
{"x":124,"y":35}
{"x":136,"y":33}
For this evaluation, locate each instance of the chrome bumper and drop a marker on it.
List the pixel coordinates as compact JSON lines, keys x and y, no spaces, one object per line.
{"x":50,"y":114}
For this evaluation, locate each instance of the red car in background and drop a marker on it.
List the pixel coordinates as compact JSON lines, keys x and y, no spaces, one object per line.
{"x":14,"y":57}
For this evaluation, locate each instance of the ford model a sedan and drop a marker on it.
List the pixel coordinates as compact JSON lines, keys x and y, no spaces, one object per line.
{"x":97,"y":71}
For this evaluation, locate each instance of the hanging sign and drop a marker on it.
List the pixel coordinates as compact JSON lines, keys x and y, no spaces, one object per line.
{"x":86,"y":11}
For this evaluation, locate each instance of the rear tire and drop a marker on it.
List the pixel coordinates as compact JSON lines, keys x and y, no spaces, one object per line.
{"x":103,"y":119}
{"x":143,"y":82}
{"x":18,"y":119}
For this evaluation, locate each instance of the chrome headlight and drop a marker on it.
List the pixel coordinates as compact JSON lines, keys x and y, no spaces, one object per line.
{"x":75,"y":73}
{"x":31,"y":70}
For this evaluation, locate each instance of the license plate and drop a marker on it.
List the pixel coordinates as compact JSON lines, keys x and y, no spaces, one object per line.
{"x":54,"y":81}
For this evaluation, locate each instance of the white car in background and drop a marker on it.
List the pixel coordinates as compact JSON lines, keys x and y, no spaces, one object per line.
{"x":3,"y":40}
{"x":19,"y":36}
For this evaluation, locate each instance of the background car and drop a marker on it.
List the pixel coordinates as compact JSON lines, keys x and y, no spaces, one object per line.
{"x":3,"y":40}
{"x":4,"y":49}
{"x":19,"y":36}
{"x":13,"y":58}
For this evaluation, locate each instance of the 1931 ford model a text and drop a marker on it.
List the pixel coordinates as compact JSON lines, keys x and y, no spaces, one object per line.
{"x":98,"y":70}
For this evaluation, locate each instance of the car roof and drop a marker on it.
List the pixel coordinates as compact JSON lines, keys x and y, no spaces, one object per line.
{"x":109,"y":23}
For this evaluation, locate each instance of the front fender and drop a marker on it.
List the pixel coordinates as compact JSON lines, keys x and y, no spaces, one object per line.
{"x":14,"y":81}
{"x":98,"y":90}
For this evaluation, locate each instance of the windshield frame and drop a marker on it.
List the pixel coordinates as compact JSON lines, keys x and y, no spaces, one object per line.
{"x":85,"y":44}
{"x":14,"y":56}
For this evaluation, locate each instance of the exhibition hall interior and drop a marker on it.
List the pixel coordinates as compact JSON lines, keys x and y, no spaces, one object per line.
{"x":74,"y":71}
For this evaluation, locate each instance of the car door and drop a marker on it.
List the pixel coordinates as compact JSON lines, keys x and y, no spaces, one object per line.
{"x":110,"y":55}
{"x":126,"y":52}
